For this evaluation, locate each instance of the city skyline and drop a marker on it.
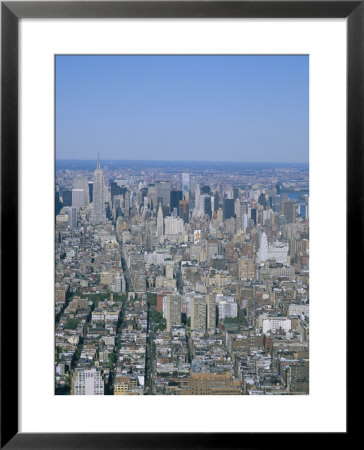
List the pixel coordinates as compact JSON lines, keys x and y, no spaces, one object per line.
{"x":247,"y":108}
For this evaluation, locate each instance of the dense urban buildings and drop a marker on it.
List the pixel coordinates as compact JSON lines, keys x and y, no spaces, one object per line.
{"x":185,"y":281}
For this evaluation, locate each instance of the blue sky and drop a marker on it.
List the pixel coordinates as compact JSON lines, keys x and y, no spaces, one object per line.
{"x":215,"y":108}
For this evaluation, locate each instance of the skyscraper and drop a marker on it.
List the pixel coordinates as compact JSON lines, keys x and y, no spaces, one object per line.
{"x":78,"y":198}
{"x":262,"y":254}
{"x":211,"y":311}
{"x":184,"y":210}
{"x":289,"y":210}
{"x":72,"y":217}
{"x":80,"y":182}
{"x":163,"y":192}
{"x":99,"y":215}
{"x":186,"y":186}
{"x":198,"y":312}
{"x":67,"y":198}
{"x":176,"y":196}
{"x":174,"y":314}
{"x":228,"y":208}
{"x":160,"y":221}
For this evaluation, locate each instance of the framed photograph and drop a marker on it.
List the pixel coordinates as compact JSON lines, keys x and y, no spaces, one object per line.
{"x":180,"y":196}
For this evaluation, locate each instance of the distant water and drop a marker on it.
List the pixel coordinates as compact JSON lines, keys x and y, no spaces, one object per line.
{"x":74,"y":164}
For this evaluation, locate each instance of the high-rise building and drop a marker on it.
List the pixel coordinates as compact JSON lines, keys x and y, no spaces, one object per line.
{"x":127,"y":203}
{"x":289,"y":210}
{"x":163,"y":192}
{"x":80,"y":182}
{"x":216,"y":201}
{"x":276,"y":204}
{"x":99,"y":214}
{"x":78,"y":198}
{"x":91,"y":191}
{"x":176,"y":196}
{"x":228,"y":208}
{"x":173,"y":225}
{"x":114,"y":189}
{"x":160,"y":221}
{"x":253,"y":215}
{"x":198,"y":312}
{"x":262,"y":200}
{"x":197,"y":200}
{"x":211,"y":311}
{"x":184,"y":210}
{"x":262,"y":254}
{"x":186,"y":186}
{"x":58,"y":203}
{"x":208,"y":208}
{"x":174,"y":311}
{"x":67,"y":198}
{"x":205,"y":190}
{"x":277,"y":251}
{"x":72,"y":217}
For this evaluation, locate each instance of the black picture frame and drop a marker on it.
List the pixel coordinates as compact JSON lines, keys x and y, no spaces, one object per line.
{"x":11,"y":12}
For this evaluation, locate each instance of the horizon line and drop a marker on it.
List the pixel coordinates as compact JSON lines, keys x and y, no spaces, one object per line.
{"x":184,"y":160}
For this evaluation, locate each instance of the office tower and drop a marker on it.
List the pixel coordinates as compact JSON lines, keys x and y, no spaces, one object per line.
{"x":174,"y":314}
{"x":186,"y":186}
{"x":87,"y":382}
{"x":279,"y":188}
{"x":205,"y":190}
{"x":114,"y":189}
{"x":152,"y":197}
{"x":127,"y":203}
{"x":245,"y":222}
{"x":253,"y":215}
{"x":207,"y":205}
{"x":160,"y":221}
{"x":99,"y":215}
{"x":78,"y":198}
{"x":67,"y":198}
{"x":91,"y":191}
{"x":276,"y":204}
{"x":235,"y":193}
{"x":163,"y":192}
{"x":262,"y":254}
{"x":72,"y":217}
{"x":237,"y":208}
{"x":289,"y":210}
{"x":172,"y":225}
{"x":211,"y":311}
{"x":216,"y":201}
{"x":262,"y":200}
{"x":176,"y":196}
{"x":80,"y":182}
{"x":198,"y":312}
{"x":197,"y":198}
{"x":142,"y":194}
{"x":228,"y":208}
{"x":201,"y":206}
{"x":58,"y":203}
{"x":184,"y":210}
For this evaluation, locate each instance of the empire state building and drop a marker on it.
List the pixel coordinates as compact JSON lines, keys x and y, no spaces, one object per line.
{"x":99,"y":214}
